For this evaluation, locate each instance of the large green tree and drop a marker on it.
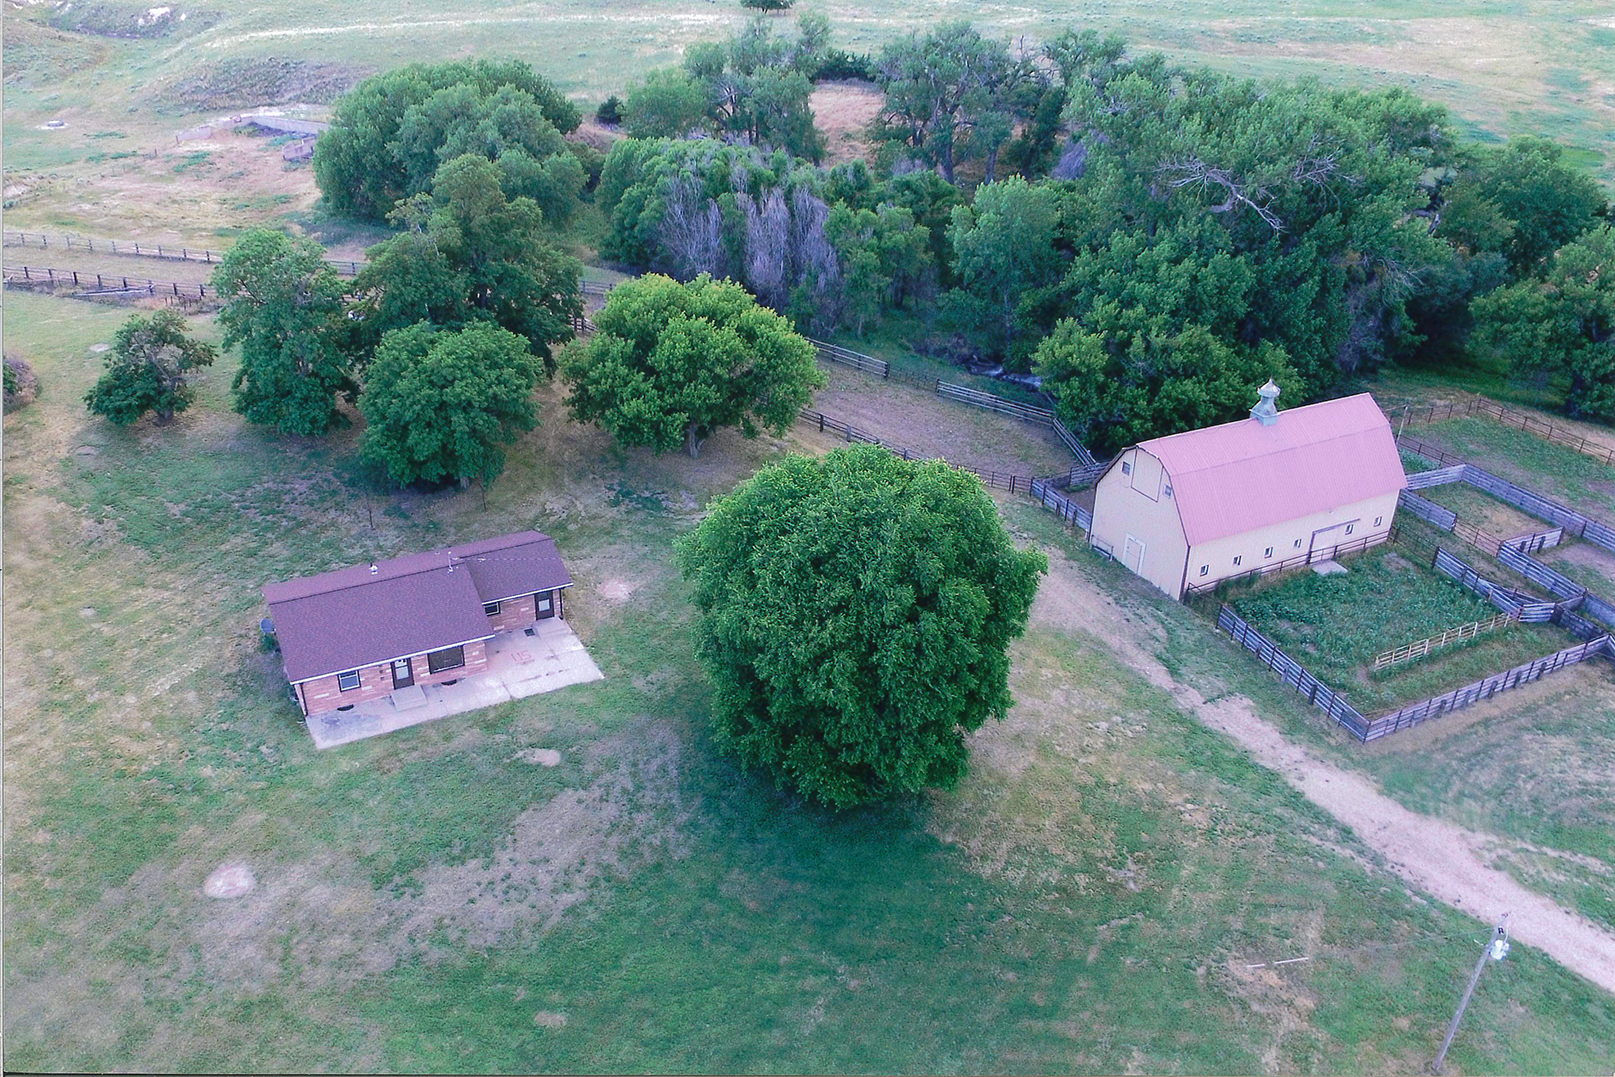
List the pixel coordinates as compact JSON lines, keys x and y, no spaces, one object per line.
{"x":441,"y":405}
{"x":391,"y":133}
{"x":285,"y":308}
{"x":468,"y":253}
{"x":1563,"y":324}
{"x":855,"y":616}
{"x":148,"y":368}
{"x":670,"y":363}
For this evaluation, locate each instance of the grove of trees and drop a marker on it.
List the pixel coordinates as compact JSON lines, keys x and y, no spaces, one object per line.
{"x":855,"y":613}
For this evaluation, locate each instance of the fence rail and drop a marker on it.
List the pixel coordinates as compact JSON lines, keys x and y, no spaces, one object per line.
{"x":1487,"y":687}
{"x":1293,"y":673}
{"x":109,"y":283}
{"x":835,"y":353}
{"x":1067,"y":508}
{"x":1409,"y":652}
{"x":44,"y":241}
{"x":1435,"y":413}
{"x":993,"y":402}
{"x":999,"y":480}
{"x":1312,"y":556}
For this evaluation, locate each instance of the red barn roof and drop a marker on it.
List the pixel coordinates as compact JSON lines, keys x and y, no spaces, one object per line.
{"x":1244,"y":475}
{"x":364,"y":615}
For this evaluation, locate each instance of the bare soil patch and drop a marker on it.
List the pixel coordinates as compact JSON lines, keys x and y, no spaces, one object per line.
{"x":844,"y":111}
{"x":906,"y":416}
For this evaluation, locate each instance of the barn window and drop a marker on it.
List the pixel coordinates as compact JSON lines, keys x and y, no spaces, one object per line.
{"x":347,"y":682}
{"x":1237,"y":560}
{"x":1378,"y":520}
{"x":1298,"y":544}
{"x":1167,"y":491}
{"x":1127,"y":469}
{"x":490,"y":608}
{"x":1268,"y":552}
{"x":1204,"y":569}
{"x":448,"y":658}
{"x":1349,"y":528}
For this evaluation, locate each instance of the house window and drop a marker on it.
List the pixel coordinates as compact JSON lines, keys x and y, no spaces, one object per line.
{"x":1268,"y":552}
{"x":1349,"y":528}
{"x":1127,"y":469}
{"x":1378,"y":520}
{"x":448,"y":658}
{"x":490,"y":608}
{"x":1237,"y":560}
{"x":1204,"y":569}
{"x":347,"y":682}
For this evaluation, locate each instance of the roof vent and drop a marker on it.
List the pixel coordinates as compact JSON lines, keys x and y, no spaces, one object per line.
{"x":373,"y":568}
{"x":1265,"y":412}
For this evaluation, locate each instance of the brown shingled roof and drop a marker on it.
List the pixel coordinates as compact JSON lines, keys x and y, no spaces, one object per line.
{"x":408,"y":605}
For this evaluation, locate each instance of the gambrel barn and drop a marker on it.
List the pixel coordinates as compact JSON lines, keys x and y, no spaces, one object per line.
{"x":1276,"y":489}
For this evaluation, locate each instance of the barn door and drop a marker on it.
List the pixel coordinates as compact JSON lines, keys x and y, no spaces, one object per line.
{"x":1133,"y":555}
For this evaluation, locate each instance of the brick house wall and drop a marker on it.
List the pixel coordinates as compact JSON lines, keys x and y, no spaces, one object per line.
{"x":323,"y":694}
{"x":521,"y":611}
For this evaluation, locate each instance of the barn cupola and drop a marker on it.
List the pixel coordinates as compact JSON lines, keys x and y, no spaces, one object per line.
{"x":1265,"y":412}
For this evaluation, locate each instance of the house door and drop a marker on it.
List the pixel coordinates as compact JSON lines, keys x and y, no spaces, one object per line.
{"x":403,"y":673}
{"x":1133,"y":555}
{"x":544,"y":604}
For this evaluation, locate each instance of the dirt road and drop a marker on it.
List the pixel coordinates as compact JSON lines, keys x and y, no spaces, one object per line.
{"x":1441,"y":859}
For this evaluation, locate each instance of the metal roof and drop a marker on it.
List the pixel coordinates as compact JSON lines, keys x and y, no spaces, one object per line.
{"x":353,"y":617}
{"x":1240,"y":476}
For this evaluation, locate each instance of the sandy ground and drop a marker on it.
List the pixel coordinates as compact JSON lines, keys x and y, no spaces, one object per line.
{"x":1446,"y":861}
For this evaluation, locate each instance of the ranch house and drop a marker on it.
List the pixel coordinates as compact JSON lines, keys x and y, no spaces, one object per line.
{"x":394,"y":636}
{"x":1272,"y":491}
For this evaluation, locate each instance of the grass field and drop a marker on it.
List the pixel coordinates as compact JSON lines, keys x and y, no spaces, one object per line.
{"x":1335,"y":625}
{"x":1534,"y":66}
{"x":1563,"y":474}
{"x":1087,"y":900}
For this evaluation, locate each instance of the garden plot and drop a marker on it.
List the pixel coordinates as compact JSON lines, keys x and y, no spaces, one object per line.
{"x":1389,"y":597}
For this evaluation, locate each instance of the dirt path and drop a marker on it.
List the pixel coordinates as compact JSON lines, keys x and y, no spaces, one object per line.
{"x":1446,"y":861}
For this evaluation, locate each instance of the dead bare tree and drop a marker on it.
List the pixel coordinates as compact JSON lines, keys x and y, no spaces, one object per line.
{"x":1198,"y":174}
{"x":691,"y":232}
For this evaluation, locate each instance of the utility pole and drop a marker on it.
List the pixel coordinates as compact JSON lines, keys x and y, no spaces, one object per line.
{"x":1494,"y":950}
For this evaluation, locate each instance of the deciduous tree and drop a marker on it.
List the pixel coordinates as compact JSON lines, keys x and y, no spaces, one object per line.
{"x":286,"y":311}
{"x":855,"y":616}
{"x":669,"y":363}
{"x":148,"y":368}
{"x":441,"y":404}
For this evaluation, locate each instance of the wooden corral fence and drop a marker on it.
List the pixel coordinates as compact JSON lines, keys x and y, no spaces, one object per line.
{"x":1366,"y":729}
{"x":1046,"y":492}
{"x":108,"y":284}
{"x":1487,"y":687}
{"x":868,"y":364}
{"x":133,"y":248}
{"x":1311,"y":557}
{"x":1410,"y":652}
{"x":1293,"y":673}
{"x":1435,"y":413}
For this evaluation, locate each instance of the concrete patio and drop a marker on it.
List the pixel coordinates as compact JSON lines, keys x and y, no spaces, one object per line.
{"x":540,"y":657}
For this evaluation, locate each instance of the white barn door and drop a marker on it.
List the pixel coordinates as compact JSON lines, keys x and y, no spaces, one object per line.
{"x":1133,"y":555}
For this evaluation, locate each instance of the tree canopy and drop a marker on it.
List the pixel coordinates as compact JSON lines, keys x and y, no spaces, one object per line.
{"x":1563,"y":323}
{"x":468,"y":253}
{"x":670,"y":363}
{"x":855,"y":615}
{"x":444,"y":405}
{"x":148,"y":368}
{"x":392,"y":132}
{"x":286,"y":311}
